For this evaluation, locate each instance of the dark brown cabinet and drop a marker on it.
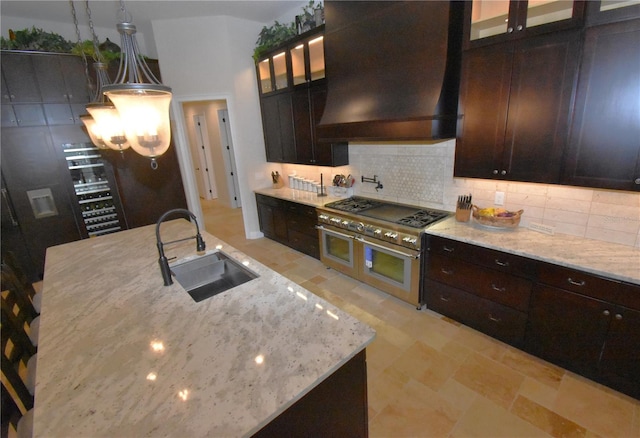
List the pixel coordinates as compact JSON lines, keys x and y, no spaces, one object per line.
{"x":572,"y":324}
{"x":516,"y":99}
{"x":289,"y":223}
{"x":585,"y":323}
{"x":292,"y":98}
{"x":604,"y":147}
{"x":491,"y":296}
{"x":489,"y":22}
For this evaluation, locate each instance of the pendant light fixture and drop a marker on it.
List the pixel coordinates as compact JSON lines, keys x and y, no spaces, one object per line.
{"x":141,"y":100}
{"x":103,"y":121}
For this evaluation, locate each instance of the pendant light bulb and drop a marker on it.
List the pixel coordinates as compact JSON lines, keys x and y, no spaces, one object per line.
{"x":111,"y":129}
{"x":94,"y":131}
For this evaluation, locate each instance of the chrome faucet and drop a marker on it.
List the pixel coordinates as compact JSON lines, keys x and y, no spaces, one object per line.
{"x":163,"y":261}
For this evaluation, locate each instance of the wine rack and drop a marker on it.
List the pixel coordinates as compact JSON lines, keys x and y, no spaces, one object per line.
{"x":93,"y":189}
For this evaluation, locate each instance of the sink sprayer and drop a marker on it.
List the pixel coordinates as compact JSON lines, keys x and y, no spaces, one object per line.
{"x":163,"y":261}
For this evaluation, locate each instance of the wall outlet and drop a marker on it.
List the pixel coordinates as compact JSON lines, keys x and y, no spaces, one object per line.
{"x":499,"y":198}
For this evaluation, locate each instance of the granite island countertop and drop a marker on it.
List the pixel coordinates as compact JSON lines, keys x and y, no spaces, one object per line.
{"x":612,"y":260}
{"x":300,"y":196}
{"x":120,"y":354}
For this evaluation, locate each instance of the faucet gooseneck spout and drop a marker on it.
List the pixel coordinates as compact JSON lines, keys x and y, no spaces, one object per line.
{"x":163,"y":261}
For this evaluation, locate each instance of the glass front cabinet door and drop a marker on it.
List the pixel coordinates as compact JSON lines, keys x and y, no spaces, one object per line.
{"x":491,"y":21}
{"x":302,"y":61}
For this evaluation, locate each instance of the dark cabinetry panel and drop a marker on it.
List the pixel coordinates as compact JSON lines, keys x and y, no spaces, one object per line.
{"x":289,"y":223}
{"x":277,"y":122}
{"x":516,"y":103}
{"x":604,"y":150}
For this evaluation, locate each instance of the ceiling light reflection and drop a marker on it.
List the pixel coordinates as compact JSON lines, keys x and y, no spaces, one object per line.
{"x":319,"y":306}
{"x":218,"y":246}
{"x":152,"y":376}
{"x":157,"y":346}
{"x":333,"y":315}
{"x":301,"y":295}
{"x":259,"y":359}
{"x":184,"y":394}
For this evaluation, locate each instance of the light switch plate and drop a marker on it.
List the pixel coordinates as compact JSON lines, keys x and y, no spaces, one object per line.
{"x":499,"y":198}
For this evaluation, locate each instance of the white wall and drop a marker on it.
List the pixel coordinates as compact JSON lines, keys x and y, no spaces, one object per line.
{"x":213,"y":58}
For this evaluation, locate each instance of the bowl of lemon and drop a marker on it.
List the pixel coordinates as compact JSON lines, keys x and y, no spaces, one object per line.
{"x":494,"y":217}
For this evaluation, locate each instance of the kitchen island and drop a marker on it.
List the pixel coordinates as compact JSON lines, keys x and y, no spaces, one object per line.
{"x":122,"y":355}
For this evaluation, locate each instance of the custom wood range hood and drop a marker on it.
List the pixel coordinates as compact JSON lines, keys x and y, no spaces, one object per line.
{"x":393,"y":70}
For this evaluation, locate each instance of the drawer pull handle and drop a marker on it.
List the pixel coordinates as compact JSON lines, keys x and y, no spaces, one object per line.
{"x":447,"y":271}
{"x":606,"y":313}
{"x":498,"y":289}
{"x":494,"y":319}
{"x":576,"y":283}
{"x":618,"y":316}
{"x":442,"y":298}
{"x":448,"y":249}
{"x":499,"y":263}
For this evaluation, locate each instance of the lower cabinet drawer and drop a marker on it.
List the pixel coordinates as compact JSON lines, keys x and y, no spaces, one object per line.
{"x":493,"y":319}
{"x":304,"y":243}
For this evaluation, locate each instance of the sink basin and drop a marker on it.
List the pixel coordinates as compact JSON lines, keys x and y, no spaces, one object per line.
{"x":209,"y":275}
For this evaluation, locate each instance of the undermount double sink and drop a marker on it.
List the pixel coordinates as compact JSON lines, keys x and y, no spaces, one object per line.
{"x":210,"y":275}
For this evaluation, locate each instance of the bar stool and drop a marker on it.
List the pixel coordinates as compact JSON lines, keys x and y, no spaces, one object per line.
{"x":19,"y":309}
{"x":18,"y":377}
{"x":10,"y":262}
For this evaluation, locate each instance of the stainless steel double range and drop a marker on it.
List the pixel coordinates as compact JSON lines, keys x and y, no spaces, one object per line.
{"x":377,"y":242}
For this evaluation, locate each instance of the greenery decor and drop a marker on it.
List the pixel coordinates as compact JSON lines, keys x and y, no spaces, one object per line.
{"x":273,"y":36}
{"x":36,"y":40}
{"x":279,"y":33}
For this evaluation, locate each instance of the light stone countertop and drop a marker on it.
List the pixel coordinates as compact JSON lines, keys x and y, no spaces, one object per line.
{"x":120,"y":354}
{"x":612,"y":260}
{"x":299,"y":196}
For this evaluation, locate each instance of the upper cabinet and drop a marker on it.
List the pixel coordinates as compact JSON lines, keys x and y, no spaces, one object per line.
{"x":491,"y":21}
{"x":292,"y":85}
{"x":515,"y":98}
{"x":609,"y":11}
{"x":604,"y":147}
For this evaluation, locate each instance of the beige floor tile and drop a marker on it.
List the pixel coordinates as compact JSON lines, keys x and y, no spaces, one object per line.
{"x":385,"y":388}
{"x":480,"y":343}
{"x":533,"y":367}
{"x":458,"y":394}
{"x":486,"y":419}
{"x":380,"y":355}
{"x":417,"y":412}
{"x":426,"y":365}
{"x":598,"y":409}
{"x":541,"y":417}
{"x":489,"y":378}
{"x":538,"y":392}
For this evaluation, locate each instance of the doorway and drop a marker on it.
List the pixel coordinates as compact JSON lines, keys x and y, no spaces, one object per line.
{"x":209,"y":136}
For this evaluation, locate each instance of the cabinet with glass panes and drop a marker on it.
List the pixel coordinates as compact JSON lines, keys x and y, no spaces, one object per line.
{"x":297,"y":62}
{"x":492,"y":21}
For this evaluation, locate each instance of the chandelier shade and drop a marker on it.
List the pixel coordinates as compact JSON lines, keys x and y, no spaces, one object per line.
{"x":109,"y":127}
{"x":94,"y":131}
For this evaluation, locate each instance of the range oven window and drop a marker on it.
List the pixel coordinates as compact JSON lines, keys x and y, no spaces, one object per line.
{"x":388,"y":266}
{"x":338,"y":248}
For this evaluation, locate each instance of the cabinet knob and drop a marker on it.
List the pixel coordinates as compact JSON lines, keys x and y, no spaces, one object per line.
{"x":606,"y":313}
{"x":618,"y":316}
{"x":447,"y":271}
{"x":637,"y":181}
{"x":498,"y":289}
{"x":495,"y":171}
{"x":509,"y":29}
{"x":503,"y":172}
{"x":519,"y":27}
{"x":447,"y":249}
{"x":500,"y":263}
{"x":575,"y":283}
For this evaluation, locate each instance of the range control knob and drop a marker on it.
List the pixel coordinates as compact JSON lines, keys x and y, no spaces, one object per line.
{"x":345,"y":223}
{"x":360,"y":227}
{"x":335,"y":220}
{"x":323,"y":217}
{"x":377,"y":232}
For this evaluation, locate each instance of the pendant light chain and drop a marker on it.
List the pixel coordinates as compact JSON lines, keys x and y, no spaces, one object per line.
{"x":84,"y":57}
{"x":96,"y":43}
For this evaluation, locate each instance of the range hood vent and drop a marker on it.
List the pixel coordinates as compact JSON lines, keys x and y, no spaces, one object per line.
{"x":393,"y":70}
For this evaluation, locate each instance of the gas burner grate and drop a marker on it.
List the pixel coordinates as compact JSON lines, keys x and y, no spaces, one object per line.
{"x":353,"y":204}
{"x":421,"y":218}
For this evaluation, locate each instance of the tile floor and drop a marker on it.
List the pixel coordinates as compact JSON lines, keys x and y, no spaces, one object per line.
{"x":429,"y":376}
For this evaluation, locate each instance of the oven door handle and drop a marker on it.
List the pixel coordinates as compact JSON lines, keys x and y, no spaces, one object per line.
{"x":320,"y":227}
{"x":395,"y":251}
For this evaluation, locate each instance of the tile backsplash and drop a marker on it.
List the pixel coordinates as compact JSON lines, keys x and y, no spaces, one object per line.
{"x":422,"y":174}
